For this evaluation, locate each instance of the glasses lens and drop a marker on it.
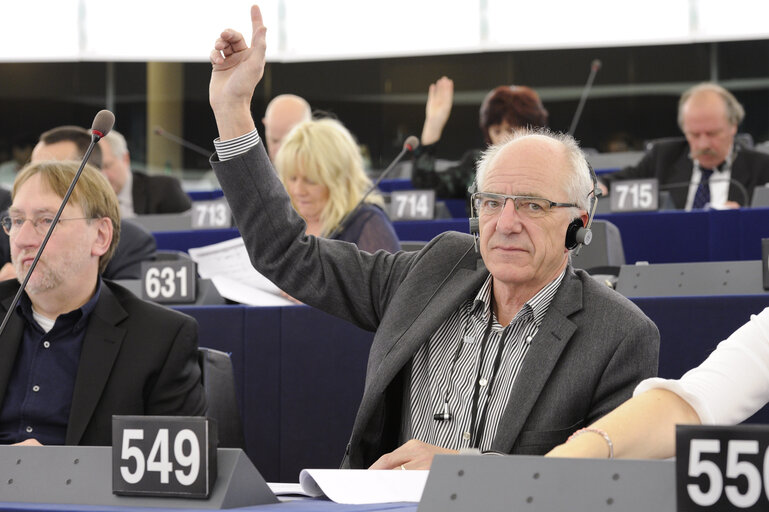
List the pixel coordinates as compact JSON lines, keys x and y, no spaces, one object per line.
{"x":532,"y":206}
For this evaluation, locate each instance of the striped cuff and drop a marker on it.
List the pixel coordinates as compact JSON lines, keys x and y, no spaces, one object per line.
{"x":229,"y":149}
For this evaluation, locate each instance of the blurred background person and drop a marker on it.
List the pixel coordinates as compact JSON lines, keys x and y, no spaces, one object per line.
{"x":139,"y":193}
{"x":321,"y":166}
{"x":504,"y":109}
{"x":21,"y":150}
{"x":283,"y":112}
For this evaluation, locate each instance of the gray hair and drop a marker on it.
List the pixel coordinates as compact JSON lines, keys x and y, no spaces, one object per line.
{"x":116,"y":143}
{"x":735,"y":113}
{"x":579,"y":185}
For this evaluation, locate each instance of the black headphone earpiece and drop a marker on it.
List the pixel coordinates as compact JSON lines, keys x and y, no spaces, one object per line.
{"x":577,"y":234}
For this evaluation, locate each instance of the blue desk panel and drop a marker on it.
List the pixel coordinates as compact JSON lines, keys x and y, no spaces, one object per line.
{"x":183,"y":240}
{"x":656,"y":237}
{"x":323,"y":371}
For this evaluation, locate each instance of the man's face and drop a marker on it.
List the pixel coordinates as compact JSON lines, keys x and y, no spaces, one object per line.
{"x":64,"y":150}
{"x":275,"y":130}
{"x":115,"y":169}
{"x":707,"y":129}
{"x":522,"y":252}
{"x":73,"y":251}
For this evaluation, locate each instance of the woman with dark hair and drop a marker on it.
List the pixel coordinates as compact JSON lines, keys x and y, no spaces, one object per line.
{"x":504,"y":109}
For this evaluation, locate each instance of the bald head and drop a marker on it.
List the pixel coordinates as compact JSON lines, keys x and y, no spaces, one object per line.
{"x":283,"y":113}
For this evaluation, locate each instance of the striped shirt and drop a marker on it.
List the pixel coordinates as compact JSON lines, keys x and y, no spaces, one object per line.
{"x":229,"y":149}
{"x":447,"y":366}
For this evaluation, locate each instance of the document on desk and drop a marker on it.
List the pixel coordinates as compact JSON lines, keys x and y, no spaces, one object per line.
{"x":229,"y":268}
{"x":362,"y":486}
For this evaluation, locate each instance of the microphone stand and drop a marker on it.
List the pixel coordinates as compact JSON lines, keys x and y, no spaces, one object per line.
{"x":594,"y":67}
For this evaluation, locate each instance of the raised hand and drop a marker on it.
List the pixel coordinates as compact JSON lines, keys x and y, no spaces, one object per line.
{"x":440,"y":98}
{"x":237,"y":69}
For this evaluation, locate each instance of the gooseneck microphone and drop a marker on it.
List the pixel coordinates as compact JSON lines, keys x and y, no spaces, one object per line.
{"x":594,"y":67}
{"x":410,"y":144}
{"x":102,"y":124}
{"x":732,"y":182}
{"x":185,"y":143}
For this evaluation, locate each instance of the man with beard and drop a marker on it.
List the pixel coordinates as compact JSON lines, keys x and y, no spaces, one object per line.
{"x":708,"y":167}
{"x":78,"y":349}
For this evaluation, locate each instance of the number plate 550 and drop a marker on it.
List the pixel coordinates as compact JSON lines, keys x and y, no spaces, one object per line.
{"x":722,"y":468}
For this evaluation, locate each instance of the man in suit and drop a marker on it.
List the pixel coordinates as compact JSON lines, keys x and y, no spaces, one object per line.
{"x":708,"y":167}
{"x":139,"y":193}
{"x":136,"y":243}
{"x":510,"y":352}
{"x":78,"y":349}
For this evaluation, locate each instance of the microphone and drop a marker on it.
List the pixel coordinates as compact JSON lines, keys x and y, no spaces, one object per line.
{"x":102,"y":124}
{"x":685,"y":184}
{"x":410,"y":144}
{"x":185,"y":143}
{"x":444,"y":415}
{"x":594,"y":67}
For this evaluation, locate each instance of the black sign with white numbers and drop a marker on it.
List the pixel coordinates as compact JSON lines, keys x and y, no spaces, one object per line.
{"x":212,"y":214}
{"x":412,"y":205}
{"x":634,"y":195}
{"x":163,"y":456}
{"x":722,"y":468}
{"x":169,"y":281}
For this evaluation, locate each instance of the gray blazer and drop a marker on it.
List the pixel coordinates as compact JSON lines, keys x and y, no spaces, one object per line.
{"x":591,"y":350}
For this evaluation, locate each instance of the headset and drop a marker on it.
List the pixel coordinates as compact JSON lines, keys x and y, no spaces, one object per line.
{"x":577,"y":233}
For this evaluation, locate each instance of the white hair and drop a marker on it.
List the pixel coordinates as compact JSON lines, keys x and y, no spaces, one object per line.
{"x":116,"y":143}
{"x":579,"y":185}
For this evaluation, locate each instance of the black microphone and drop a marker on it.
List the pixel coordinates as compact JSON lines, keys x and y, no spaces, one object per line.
{"x":594,"y":67}
{"x":686,"y":184}
{"x":410,"y":144}
{"x":102,"y":124}
{"x":185,"y":143}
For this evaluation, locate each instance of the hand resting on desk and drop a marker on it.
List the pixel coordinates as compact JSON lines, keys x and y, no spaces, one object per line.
{"x":413,"y":454}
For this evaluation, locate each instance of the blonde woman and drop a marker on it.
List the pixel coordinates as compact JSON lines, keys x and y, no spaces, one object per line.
{"x":320,"y":165}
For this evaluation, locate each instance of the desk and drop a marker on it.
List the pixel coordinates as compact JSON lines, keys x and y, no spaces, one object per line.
{"x":300,"y":372}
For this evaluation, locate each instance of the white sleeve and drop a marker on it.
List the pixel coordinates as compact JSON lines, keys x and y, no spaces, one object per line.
{"x":733,"y":382}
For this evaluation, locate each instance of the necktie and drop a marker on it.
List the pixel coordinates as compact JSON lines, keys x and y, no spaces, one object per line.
{"x":702,"y":196}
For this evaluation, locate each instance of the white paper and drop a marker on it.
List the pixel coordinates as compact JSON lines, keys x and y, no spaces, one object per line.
{"x":361,"y":486}
{"x":286,"y":489}
{"x":229,"y":268}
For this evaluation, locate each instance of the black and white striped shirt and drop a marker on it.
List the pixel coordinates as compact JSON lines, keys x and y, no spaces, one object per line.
{"x":448,"y":365}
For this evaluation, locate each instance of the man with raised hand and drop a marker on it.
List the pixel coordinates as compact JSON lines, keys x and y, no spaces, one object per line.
{"x":508,"y":351}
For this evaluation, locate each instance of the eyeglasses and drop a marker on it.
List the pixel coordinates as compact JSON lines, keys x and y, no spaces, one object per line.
{"x":12,"y":225}
{"x":490,"y":204}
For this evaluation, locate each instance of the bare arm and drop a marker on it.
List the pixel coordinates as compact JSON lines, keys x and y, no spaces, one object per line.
{"x":641,"y":428}
{"x":440,"y":98}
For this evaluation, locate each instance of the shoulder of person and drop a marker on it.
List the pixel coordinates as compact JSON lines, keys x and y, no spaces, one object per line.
{"x":135,"y":305}
{"x":601,"y":300}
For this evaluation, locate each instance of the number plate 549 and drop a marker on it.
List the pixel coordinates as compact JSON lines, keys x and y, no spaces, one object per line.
{"x":163,"y":456}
